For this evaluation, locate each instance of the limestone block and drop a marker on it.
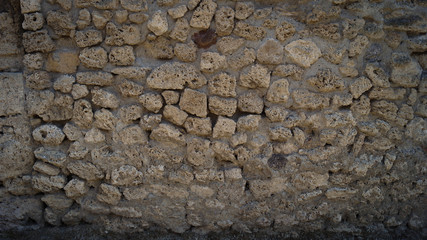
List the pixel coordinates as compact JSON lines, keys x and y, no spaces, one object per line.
{"x":82,"y":113}
{"x":359,"y":86}
{"x":306,"y":99}
{"x":47,"y":184}
{"x":38,"y":41}
{"x":167,"y":133}
{"x":95,"y":57}
{"x":326,"y":81}
{"x":384,"y":109}
{"x":181,"y":30}
{"x":248,"y":123}
{"x":340,"y":193}
{"x":61,"y":22}
{"x":105,"y":120}
{"x":94,"y":136}
{"x":138,"y":18}
{"x":33,"y":21}
{"x":377,"y":75}
{"x":62,"y":61}
{"x":84,"y":19}
{"x":211,"y":62}
{"x":33,"y":61}
{"x":222,"y":106}
{"x":100,"y":20}
{"x":121,"y":56}
{"x":121,"y":16}
{"x":199,"y":152}
{"x":126,"y":175}
{"x":88,"y":38}
{"x":158,"y":23}
{"x":257,"y":76}
{"x":406,"y":72}
{"x":203,"y":14}
{"x":186,"y":52}
{"x":38,"y":80}
{"x":125,"y":34}
{"x":244,"y":10}
{"x":106,"y":4}
{"x":130,"y":113}
{"x":54,"y":157}
{"x":134,"y":5}
{"x":278,"y":91}
{"x":310,"y":180}
{"x":284,"y":31}
{"x":45,"y":168}
{"x":104,"y":99}
{"x":351,"y":27}
{"x":223,"y":85}
{"x":153,"y":102}
{"x":133,"y":135}
{"x":64,"y":83}
{"x":57,"y":201}
{"x":279,"y":133}
{"x":198,"y":126}
{"x":174,"y":115}
{"x":160,"y":48}
{"x":276,"y":113}
{"x":303,"y":52}
{"x":77,"y":150}
{"x":79,"y":91}
{"x":224,"y":128}
{"x":233,"y":174}
{"x":171,"y":97}
{"x":223,"y":151}
{"x":358,"y":45}
{"x":250,"y":102}
{"x":224,"y":21}
{"x":85,"y":170}
{"x":150,"y":121}
{"x":11,"y":94}
{"x":177,"y":12}
{"x":249,"y":32}
{"x":270,"y":52}
{"x":48,"y":135}
{"x":202,"y":191}
{"x":175,"y":76}
{"x":262,"y":189}
{"x":194,"y":102}
{"x":76,"y":188}
{"x":28,"y":6}
{"x":109,"y":194}
{"x":241,"y":59}
{"x":228,"y":45}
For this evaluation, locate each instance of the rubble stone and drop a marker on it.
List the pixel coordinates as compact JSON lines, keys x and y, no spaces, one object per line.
{"x":257,"y":77}
{"x":153,"y":102}
{"x":181,"y":30}
{"x":270,"y":52}
{"x":203,"y":14}
{"x":224,"y":21}
{"x":33,"y":21}
{"x":360,"y":86}
{"x":211,"y":62}
{"x":62,"y":62}
{"x":95,"y":57}
{"x":158,"y":23}
{"x":250,"y":102}
{"x":174,"y":115}
{"x":186,"y":52}
{"x":194,"y":102}
{"x":48,"y":134}
{"x":175,"y":76}
{"x":222,"y":106}
{"x":278,"y":91}
{"x":249,"y":32}
{"x":104,"y":99}
{"x":303,"y":52}
{"x":224,"y":128}
{"x":244,"y":10}
{"x":121,"y":56}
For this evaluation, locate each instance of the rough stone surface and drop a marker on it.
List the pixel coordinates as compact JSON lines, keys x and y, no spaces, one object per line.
{"x":303,"y":52}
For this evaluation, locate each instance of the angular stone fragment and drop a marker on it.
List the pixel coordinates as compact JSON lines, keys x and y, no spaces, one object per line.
{"x":194,"y":102}
{"x":175,"y":76}
{"x":77,"y":150}
{"x":198,"y":126}
{"x":151,"y":101}
{"x":33,"y":61}
{"x":224,"y":128}
{"x":171,"y":97}
{"x":133,"y":135}
{"x":257,"y":77}
{"x":64,"y":61}
{"x":49,"y":135}
{"x":211,"y":62}
{"x":88,"y":38}
{"x":278,"y":91}
{"x":284,"y":31}
{"x":79,"y":91}
{"x":121,"y":56}
{"x":244,"y":10}
{"x":222,"y":106}
{"x":104,"y":99}
{"x":228,"y":45}
{"x":280,"y":133}
{"x":64,"y":83}
{"x":250,"y":102}
{"x":241,"y":59}
{"x":305,"y":99}
{"x":303,"y":52}
{"x":203,"y":14}
{"x":270,"y":52}
{"x":85,"y":170}
{"x":168,"y":134}
{"x":181,"y":30}
{"x":158,"y":23}
{"x":150,"y":121}
{"x":33,"y":21}
{"x":130,"y":89}
{"x":384,"y":109}
{"x":224,"y":21}
{"x":406,"y":72}
{"x":82,"y":113}
{"x":223,"y":85}
{"x":418,"y":44}
{"x":351,"y":27}
{"x":130,"y":113}
{"x":106,"y":4}
{"x":38,"y":41}
{"x":28,"y":6}
{"x":186,"y":52}
{"x":360,"y":86}
{"x":47,"y":184}
{"x":38,"y":80}
{"x":56,"y":158}
{"x":358,"y":45}
{"x":249,"y":32}
{"x":94,"y":136}
{"x":134,"y":5}
{"x":126,"y":175}
{"x":46,"y":169}
{"x":174,"y":115}
{"x":76,"y":188}
{"x":95,"y":57}
{"x":57,"y":201}
{"x":276,"y":113}
{"x":310,"y":180}
{"x":248,"y":123}
{"x":262,"y":189}
{"x":84,"y":19}
{"x":11,"y":94}
{"x":108,"y":194}
{"x":100,"y":20}
{"x":177,"y":12}
{"x":326,"y":81}
{"x":61,"y":23}
{"x":199,"y":152}
{"x":126,"y":34}
{"x":377,"y":75}
{"x":406,"y":21}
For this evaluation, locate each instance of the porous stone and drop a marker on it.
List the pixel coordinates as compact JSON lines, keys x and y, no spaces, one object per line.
{"x":122,"y":56}
{"x":186,"y":52}
{"x":153,"y":102}
{"x":158,"y":23}
{"x":406,"y":72}
{"x":11,"y":94}
{"x":360,"y":86}
{"x":94,"y":136}
{"x":150,"y":121}
{"x":46,"y":169}
{"x":181,"y":30}
{"x":33,"y":61}
{"x":38,"y":80}
{"x":223,"y":85}
{"x":174,"y":115}
{"x":130,"y":89}
{"x":377,"y":75}
{"x":84,"y":19}
{"x":48,"y":134}
{"x":109,"y":194}
{"x":126,"y":34}
{"x":104,"y":99}
{"x":175,"y":76}
{"x":228,"y":45}
{"x":138,"y":18}
{"x":224,"y":128}
{"x":28,"y":6}
{"x":57,"y":201}
{"x":249,"y":32}
{"x":203,"y":14}
{"x":194,"y":102}
{"x":64,"y":83}
{"x":310,"y":180}
{"x":63,"y":61}
{"x":242,"y":59}
{"x":211,"y":62}
{"x":61,"y":23}
{"x":95,"y":57}
{"x":88,"y":38}
{"x":257,"y":76}
{"x":82,"y":113}
{"x":79,"y":91}
{"x":171,"y":97}
{"x":134,"y":6}
{"x":222,"y":106}
{"x":130,"y":113}
{"x":48,"y":184}
{"x":167,"y":133}
{"x":358,"y":45}
{"x":276,"y":113}
{"x":198,"y":126}
{"x":85,"y":170}
{"x":76,"y":188}
{"x":303,"y":52}
{"x":284,"y":31}
{"x":224,"y":21}
{"x":306,"y":99}
{"x":278,"y":91}
{"x":270,"y":52}
{"x":199,"y":152}
{"x":121,"y":16}
{"x":33,"y":21}
{"x":56,"y":158}
{"x":326,"y":81}
{"x":100,"y":20}
{"x":250,"y":102}
{"x":244,"y":10}
{"x":177,"y":12}
{"x":248,"y":123}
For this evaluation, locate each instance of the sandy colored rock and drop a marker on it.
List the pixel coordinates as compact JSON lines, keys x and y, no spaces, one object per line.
{"x":174,"y":115}
{"x":48,"y":134}
{"x":62,"y":62}
{"x":153,"y":102}
{"x":222,"y":106}
{"x":79,"y":91}
{"x":166,"y":133}
{"x":244,"y":10}
{"x":186,"y":52}
{"x":178,"y":11}
{"x":64,"y":83}
{"x":276,"y":113}
{"x":358,"y":45}
{"x":104,"y":119}
{"x":175,"y":76}
{"x":203,"y":14}
{"x":150,"y":121}
{"x":38,"y":80}
{"x":61,"y":23}
{"x":284,"y":31}
{"x":198,"y":126}
{"x":309,"y":100}
{"x":326,"y":81}
{"x":224,"y":128}
{"x":109,"y":194}
{"x":250,"y":102}
{"x":126,"y":34}
{"x":360,"y":86}
{"x":303,"y":52}
{"x":181,"y":30}
{"x":134,"y":6}
{"x":158,"y":23}
{"x":222,"y":85}
{"x":406,"y":71}
{"x":130,"y":113}
{"x":278,"y":91}
{"x":94,"y":136}
{"x":377,"y":75}
{"x":171,"y":97}
{"x":121,"y":56}
{"x":88,"y":38}
{"x":28,"y":6}
{"x":33,"y":21}
{"x":212,"y":62}
{"x":224,"y":21}
{"x":270,"y":52}
{"x":95,"y":57}
{"x":228,"y":45}
{"x":48,"y":184}
{"x":33,"y":61}
{"x":85,"y":170}
{"x":257,"y":76}
{"x":104,"y":99}
{"x":84,"y":19}
{"x":130,"y":89}
{"x":249,"y":32}
{"x":241,"y":59}
{"x":248,"y":123}
{"x":194,"y":102}
{"x":199,"y":152}
{"x":46,"y":168}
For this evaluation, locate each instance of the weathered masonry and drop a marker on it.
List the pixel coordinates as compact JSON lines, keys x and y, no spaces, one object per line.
{"x":209,"y":116}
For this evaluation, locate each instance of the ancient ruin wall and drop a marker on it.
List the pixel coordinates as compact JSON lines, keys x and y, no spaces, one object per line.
{"x":214,"y":115}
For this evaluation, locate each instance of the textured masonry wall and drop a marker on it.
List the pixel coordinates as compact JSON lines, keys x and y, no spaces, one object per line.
{"x":265,"y":116}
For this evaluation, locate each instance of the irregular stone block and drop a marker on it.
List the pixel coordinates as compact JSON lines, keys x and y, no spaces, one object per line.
{"x":222,"y":106}
{"x":186,"y":52}
{"x":250,"y":102}
{"x":108,"y":194}
{"x":28,"y":6}
{"x":244,"y":10}
{"x":194,"y":102}
{"x":199,"y":152}
{"x":126,"y":34}
{"x":174,"y":115}
{"x":153,"y":102}
{"x":104,"y":99}
{"x":360,"y":86}
{"x":134,"y":5}
{"x":38,"y":41}
{"x":278,"y":91}
{"x":122,"y":56}
{"x":303,"y":52}
{"x":211,"y":62}
{"x":228,"y":45}
{"x":166,"y":133}
{"x":133,"y":135}
{"x":63,"y":62}
{"x":175,"y":76}
{"x":95,"y":57}
{"x":126,"y":175}
{"x":11,"y":94}
{"x":85,"y":170}
{"x":88,"y":38}
{"x":249,"y":32}
{"x":270,"y":52}
{"x":406,"y":72}
{"x":305,"y":99}
{"x":198,"y":126}
{"x":158,"y":23}
{"x":33,"y":21}
{"x":48,"y":134}
{"x":256,"y":77}
{"x":224,"y":21}
{"x":76,"y":188}
{"x":224,"y":128}
{"x":203,"y":14}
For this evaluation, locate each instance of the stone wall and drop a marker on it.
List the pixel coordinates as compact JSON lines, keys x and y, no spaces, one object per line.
{"x":207,"y":116}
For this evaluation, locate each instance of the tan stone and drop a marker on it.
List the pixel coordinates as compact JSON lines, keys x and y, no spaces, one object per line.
{"x":158,"y":24}
{"x":194,"y":102}
{"x":270,"y":52}
{"x":278,"y":91}
{"x":203,"y":14}
{"x":257,"y":76}
{"x":303,"y":52}
{"x":95,"y":57}
{"x":122,"y":56}
{"x":222,"y":106}
{"x":63,"y":62}
{"x":224,"y":21}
